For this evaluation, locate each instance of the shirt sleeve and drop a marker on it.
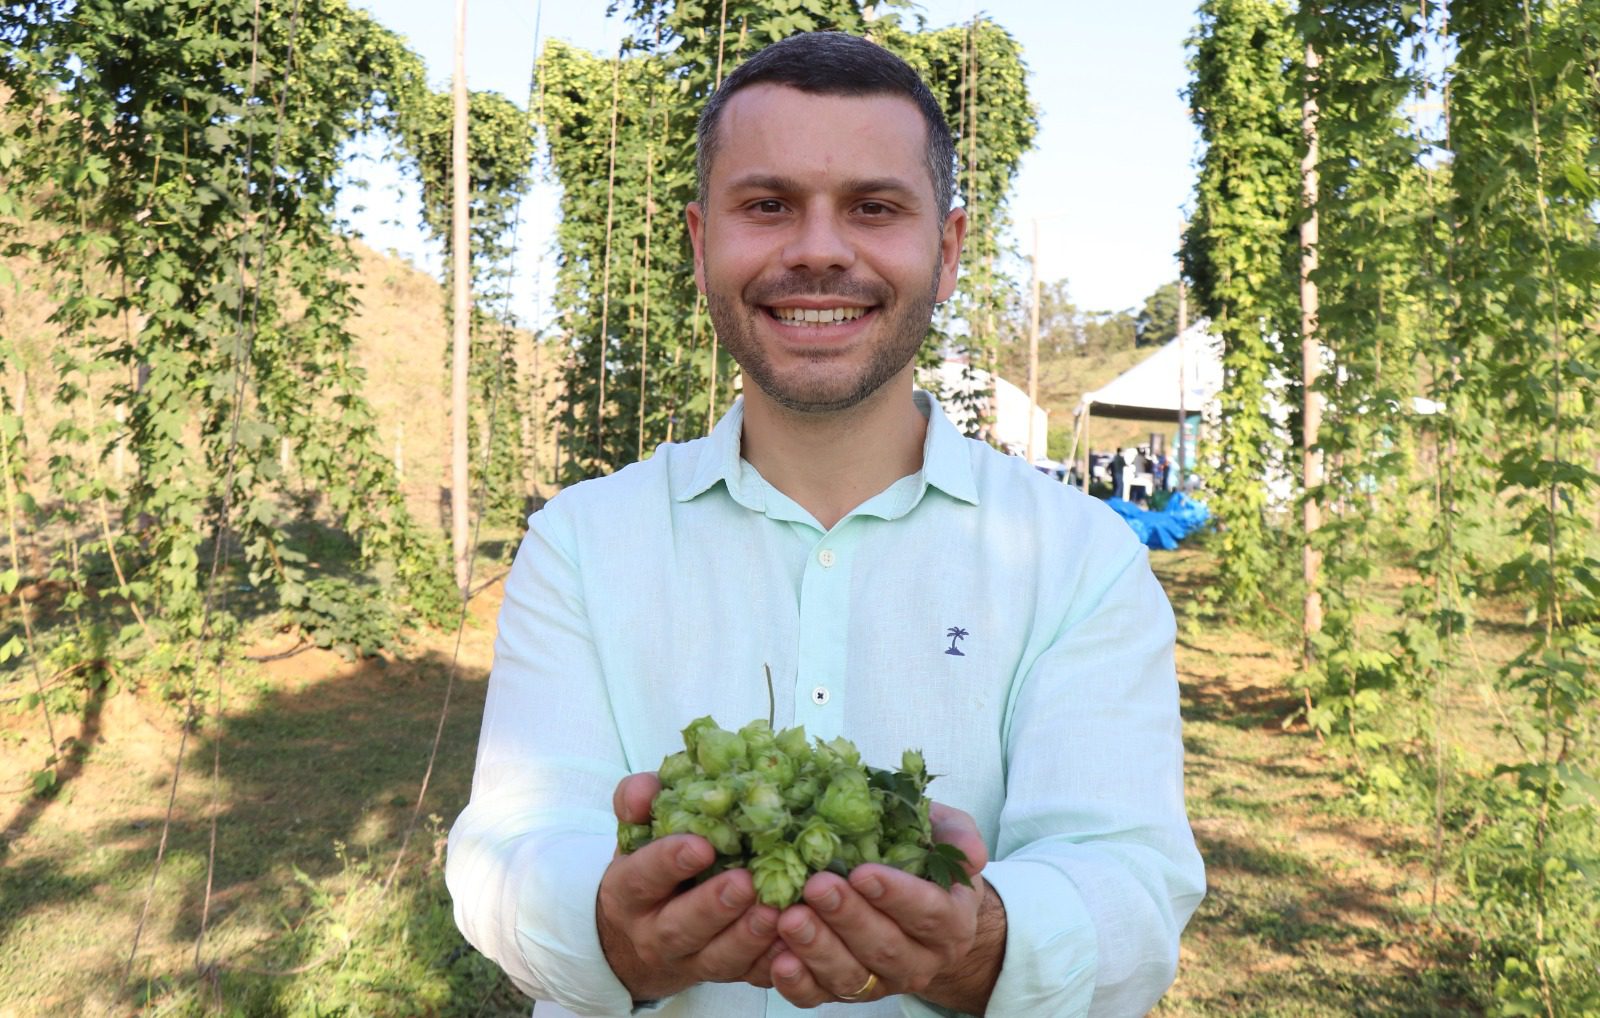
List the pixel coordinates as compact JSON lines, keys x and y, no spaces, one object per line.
{"x":1095,"y":861}
{"x":527,"y":854}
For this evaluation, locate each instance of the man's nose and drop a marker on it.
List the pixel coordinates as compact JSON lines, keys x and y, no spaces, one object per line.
{"x":820,"y":243}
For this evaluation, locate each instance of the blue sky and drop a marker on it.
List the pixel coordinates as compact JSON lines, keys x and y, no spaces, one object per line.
{"x":1108,"y":178}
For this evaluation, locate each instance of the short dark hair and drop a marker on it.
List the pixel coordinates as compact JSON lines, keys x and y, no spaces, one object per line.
{"x":834,"y":63}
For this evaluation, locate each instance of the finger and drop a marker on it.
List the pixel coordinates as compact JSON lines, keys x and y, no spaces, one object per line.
{"x":745,"y":946}
{"x":794,"y":980}
{"x":833,"y":964}
{"x":633,"y":795}
{"x":689,"y":923}
{"x":644,"y":881}
{"x":923,"y":911}
{"x":760,"y":974}
{"x":869,"y":939}
{"x":951,"y":826}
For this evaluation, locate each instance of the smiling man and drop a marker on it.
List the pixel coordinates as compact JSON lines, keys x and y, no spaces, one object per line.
{"x":837,"y":529}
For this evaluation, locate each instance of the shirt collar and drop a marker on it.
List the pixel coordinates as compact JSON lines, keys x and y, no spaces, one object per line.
{"x":946,"y":461}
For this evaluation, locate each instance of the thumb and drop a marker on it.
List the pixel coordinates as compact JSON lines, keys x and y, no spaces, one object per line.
{"x":631,"y":801}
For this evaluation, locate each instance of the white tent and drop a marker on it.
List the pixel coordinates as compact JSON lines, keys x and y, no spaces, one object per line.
{"x":1014,"y":415}
{"x":1183,"y":377}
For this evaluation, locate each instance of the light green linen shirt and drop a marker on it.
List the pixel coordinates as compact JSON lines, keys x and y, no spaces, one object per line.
{"x":1007,"y":625}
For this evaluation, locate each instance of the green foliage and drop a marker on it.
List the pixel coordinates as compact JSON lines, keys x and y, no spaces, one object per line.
{"x":176,"y":168}
{"x":1158,"y":318}
{"x":644,"y":366}
{"x":345,"y":616}
{"x":500,"y":171}
{"x":1458,"y":257}
{"x":1240,"y":255}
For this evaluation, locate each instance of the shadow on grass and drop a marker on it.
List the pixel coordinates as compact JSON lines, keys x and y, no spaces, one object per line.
{"x":318,"y":785}
{"x":1286,"y":936}
{"x":1253,"y":706}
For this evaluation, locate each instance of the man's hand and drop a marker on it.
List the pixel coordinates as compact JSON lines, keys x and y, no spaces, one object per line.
{"x":659,"y":941}
{"x":915,"y":937}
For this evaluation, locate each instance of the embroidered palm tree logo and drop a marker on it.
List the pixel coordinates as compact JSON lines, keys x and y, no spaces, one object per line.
{"x":955,"y":633}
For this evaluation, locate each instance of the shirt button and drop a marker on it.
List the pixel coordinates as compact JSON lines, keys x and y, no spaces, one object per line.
{"x":825,"y":556}
{"x":819,"y":696}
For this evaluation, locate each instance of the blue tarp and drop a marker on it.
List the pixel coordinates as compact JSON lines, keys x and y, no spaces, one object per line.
{"x":1182,"y":517}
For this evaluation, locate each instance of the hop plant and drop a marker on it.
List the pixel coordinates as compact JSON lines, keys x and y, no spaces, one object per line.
{"x":786,"y":808}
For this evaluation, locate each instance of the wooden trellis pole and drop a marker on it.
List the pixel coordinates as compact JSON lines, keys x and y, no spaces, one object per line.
{"x":1311,"y":363}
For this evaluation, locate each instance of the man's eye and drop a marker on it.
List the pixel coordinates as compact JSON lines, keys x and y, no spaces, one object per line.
{"x":873,"y":208}
{"x":768,"y":206}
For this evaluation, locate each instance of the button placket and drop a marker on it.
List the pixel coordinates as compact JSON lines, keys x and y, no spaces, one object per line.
{"x":824,"y":623}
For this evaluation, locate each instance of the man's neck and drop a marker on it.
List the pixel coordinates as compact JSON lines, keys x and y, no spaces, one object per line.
{"x":830,"y":463}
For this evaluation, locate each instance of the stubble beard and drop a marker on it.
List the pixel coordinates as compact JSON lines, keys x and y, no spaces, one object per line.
{"x":815,"y":389}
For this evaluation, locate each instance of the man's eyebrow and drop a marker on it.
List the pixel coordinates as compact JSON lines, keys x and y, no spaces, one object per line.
{"x":779,"y":184}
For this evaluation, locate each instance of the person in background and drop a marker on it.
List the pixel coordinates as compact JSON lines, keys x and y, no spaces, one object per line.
{"x":837,"y":530}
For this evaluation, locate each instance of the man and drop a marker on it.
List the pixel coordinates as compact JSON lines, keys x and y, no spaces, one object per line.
{"x":836,"y":528}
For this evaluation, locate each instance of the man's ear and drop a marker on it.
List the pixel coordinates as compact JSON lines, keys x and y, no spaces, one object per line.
{"x":694,"y":216}
{"x":951,"y":237}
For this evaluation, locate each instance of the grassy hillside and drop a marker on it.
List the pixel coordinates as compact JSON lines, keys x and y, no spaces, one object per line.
{"x":401,"y":342}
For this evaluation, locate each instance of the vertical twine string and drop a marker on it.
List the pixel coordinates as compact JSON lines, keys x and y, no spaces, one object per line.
{"x":605,"y":276}
{"x":711,"y":389}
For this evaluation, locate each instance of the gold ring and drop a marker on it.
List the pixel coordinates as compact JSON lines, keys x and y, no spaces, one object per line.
{"x":866,"y":988}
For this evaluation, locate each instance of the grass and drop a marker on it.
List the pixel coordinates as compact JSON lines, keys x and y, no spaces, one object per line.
{"x":1315,"y":908}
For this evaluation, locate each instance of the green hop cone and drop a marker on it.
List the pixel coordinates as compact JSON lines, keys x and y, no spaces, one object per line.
{"x":838,"y":751}
{"x":912,"y":765}
{"x":779,"y":876}
{"x":774,"y":765}
{"x":867,"y":847}
{"x":708,"y":798}
{"x":672,"y":821}
{"x":908,"y":856}
{"x":632,"y":837}
{"x":793,"y":742}
{"x":676,"y":769}
{"x":761,"y":808}
{"x":847,"y":803}
{"x":719,"y":752}
{"x":817,"y":844}
{"x":693,"y":731}
{"x":800,"y":792}
{"x":757,"y":736}
{"x":722,"y":834}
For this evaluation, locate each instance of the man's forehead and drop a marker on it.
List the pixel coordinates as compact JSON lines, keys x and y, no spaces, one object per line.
{"x":767,"y":92}
{"x":772,"y":115}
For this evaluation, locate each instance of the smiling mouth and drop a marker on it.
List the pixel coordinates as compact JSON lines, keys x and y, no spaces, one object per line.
{"x":816,"y":316}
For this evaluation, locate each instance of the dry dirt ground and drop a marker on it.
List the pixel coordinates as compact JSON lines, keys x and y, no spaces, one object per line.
{"x":1313,"y":909}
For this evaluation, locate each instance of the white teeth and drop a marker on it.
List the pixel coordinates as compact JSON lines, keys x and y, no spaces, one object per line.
{"x":815,"y":316}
